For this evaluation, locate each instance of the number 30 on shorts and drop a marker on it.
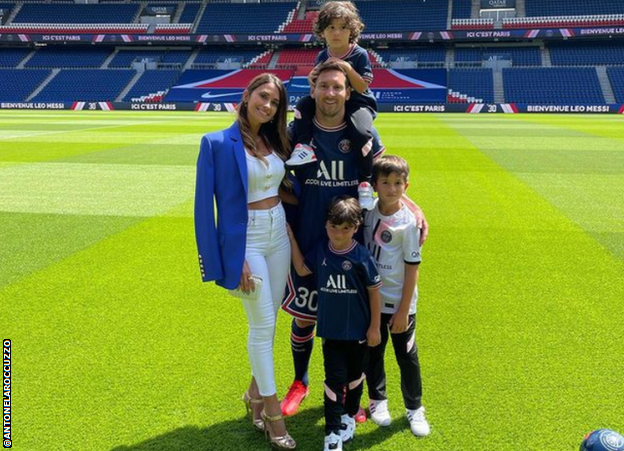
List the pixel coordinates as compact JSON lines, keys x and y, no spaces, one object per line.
{"x":307,"y":298}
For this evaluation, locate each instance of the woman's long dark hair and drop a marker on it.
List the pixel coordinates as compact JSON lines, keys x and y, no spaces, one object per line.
{"x":273,"y":131}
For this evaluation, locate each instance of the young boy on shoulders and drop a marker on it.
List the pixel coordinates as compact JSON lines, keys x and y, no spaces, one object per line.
{"x":339,"y":25}
{"x":348,"y":314}
{"x":392,"y":236}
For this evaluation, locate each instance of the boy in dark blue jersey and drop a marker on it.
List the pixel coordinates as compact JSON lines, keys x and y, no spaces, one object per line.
{"x":339,"y":26}
{"x":348,"y":317}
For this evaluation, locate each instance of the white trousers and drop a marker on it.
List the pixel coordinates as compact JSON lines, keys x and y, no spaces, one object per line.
{"x":268,"y":256}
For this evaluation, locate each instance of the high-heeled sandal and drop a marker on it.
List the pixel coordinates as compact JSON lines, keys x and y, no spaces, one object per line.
{"x":258,"y":423}
{"x":278,"y":442}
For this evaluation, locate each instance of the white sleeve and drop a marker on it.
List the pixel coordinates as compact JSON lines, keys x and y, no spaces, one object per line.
{"x":411,"y":246}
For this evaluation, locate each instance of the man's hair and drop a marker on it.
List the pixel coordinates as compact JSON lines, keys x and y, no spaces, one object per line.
{"x":339,"y":10}
{"x":344,"y":209}
{"x":390,"y":164}
{"x":331,"y":65}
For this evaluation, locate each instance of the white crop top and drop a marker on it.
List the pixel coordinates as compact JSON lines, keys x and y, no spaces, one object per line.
{"x":263,"y":181}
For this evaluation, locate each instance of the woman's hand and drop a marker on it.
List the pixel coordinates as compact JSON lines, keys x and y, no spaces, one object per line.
{"x":246,"y":283}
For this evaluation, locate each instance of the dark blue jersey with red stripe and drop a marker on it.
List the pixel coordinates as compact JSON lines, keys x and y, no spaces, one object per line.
{"x":343,"y":278}
{"x":333,"y":174}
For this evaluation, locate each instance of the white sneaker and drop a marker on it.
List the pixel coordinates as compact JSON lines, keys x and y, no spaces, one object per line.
{"x":301,"y":154}
{"x":379,"y":412}
{"x":365,"y":196}
{"x":333,"y":442}
{"x":418,"y":422}
{"x":347,"y":428}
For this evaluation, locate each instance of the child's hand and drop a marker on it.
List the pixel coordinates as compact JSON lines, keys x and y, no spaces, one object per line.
{"x":373,"y":337}
{"x":342,"y":63}
{"x":312,"y":77}
{"x":398,"y":323}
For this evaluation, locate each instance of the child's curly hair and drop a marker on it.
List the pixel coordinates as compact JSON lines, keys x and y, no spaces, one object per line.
{"x":339,"y":10}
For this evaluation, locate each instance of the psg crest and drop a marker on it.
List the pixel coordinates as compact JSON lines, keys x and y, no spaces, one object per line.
{"x":344,"y":146}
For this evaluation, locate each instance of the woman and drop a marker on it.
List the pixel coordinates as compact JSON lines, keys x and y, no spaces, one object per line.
{"x":241,"y":169}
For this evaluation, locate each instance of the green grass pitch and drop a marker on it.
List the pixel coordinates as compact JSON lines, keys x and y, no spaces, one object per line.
{"x":117,"y":346}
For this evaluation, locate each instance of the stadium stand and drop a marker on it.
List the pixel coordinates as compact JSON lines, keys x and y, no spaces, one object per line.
{"x":173,"y":28}
{"x":234,"y":18}
{"x":563,"y":21}
{"x":468,"y":56}
{"x":472,"y":24}
{"x":403,"y":15}
{"x":616,"y":78}
{"x":552,"y":85}
{"x":75,"y":29}
{"x":16,"y":85}
{"x":542,"y":8}
{"x":85,"y":85}
{"x":462,"y":9}
{"x":519,"y":56}
{"x":189,"y":13}
{"x":152,"y":86}
{"x":214,"y":55}
{"x":69,"y":57}
{"x":418,"y":57}
{"x":477,"y":83}
{"x":176,"y":57}
{"x":12,"y":57}
{"x":124,"y":58}
{"x":297,"y":57}
{"x":586,"y":53}
{"x":43,"y":13}
{"x":301,"y":26}
{"x":468,"y":81}
{"x":5,"y":9}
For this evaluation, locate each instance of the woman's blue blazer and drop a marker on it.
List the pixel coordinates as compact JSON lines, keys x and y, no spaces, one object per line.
{"x":222,"y":182}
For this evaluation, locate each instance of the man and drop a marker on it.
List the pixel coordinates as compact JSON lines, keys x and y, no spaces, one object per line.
{"x":334,"y":173}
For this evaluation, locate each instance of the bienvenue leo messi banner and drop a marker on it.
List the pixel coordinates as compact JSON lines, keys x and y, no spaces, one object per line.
{"x":472,"y":108}
{"x":413,"y":36}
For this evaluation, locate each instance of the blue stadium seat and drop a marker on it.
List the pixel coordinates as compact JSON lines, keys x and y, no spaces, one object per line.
{"x":213,"y":55}
{"x":124,"y":58}
{"x":616,"y":77}
{"x":18,"y":84}
{"x":85,"y":85}
{"x":536,"y":8}
{"x":552,"y":85}
{"x":473,"y":82}
{"x":462,"y":9}
{"x":520,"y":56}
{"x":233,"y":18}
{"x":69,"y":57}
{"x":420,"y":55}
{"x":76,"y":13}
{"x":403,"y":15}
{"x":189,"y":13}
{"x":151,"y":82}
{"x":586,"y":53}
{"x":12,"y":57}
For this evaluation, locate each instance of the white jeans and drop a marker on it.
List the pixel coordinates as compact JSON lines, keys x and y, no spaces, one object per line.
{"x":268,"y":256}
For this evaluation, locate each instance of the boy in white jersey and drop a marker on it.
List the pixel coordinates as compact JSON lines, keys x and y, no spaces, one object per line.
{"x":392,"y":236}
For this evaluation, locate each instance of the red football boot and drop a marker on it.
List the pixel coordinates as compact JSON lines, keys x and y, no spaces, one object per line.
{"x":296,"y":394}
{"x":360,"y":416}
